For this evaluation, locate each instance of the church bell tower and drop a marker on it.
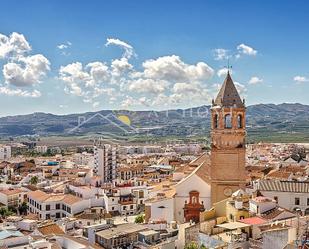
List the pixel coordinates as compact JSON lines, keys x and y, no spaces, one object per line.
{"x":228,"y":150}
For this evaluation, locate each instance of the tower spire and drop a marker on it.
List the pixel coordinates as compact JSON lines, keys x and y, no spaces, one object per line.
{"x":228,"y":95}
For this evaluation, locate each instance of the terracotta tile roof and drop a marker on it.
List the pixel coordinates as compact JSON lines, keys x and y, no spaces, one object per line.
{"x":71,"y":199}
{"x":12,"y":191}
{"x":279,"y":175}
{"x":50,"y":229}
{"x":254,"y":221}
{"x":38,"y":195}
{"x":42,"y":196}
{"x":228,"y":95}
{"x":203,"y":171}
{"x":200,"y":159}
{"x":274,"y":213}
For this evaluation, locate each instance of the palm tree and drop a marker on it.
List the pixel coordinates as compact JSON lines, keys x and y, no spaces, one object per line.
{"x":23,"y":208}
{"x":34,"y":180}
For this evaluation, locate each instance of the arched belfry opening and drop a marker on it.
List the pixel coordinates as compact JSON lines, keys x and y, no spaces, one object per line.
{"x":239,"y":121}
{"x":216,"y":121}
{"x":228,"y":121}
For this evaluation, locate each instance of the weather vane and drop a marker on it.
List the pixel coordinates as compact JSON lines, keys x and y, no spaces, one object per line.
{"x":228,"y":65}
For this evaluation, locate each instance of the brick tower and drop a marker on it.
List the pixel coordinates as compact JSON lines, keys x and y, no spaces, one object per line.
{"x":228,"y":149}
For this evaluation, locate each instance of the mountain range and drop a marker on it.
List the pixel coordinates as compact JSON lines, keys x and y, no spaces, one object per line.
{"x":265,"y":122}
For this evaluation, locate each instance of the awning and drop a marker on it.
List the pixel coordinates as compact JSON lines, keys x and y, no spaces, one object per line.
{"x":233,"y":225}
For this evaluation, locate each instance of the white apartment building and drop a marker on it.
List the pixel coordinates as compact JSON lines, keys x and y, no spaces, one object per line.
{"x":55,"y":206}
{"x":106,"y":162}
{"x":5,"y":152}
{"x":13,"y":197}
{"x":125,"y":199}
{"x":41,"y":149}
{"x":83,"y":158}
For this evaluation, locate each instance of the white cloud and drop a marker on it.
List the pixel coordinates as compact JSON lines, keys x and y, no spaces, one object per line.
{"x":20,"y":68}
{"x":120,"y":66}
{"x":19,"y":92}
{"x":26,"y":71}
{"x":128,"y":49}
{"x":13,"y":45}
{"x":245,"y":49}
{"x":172,"y":68}
{"x":300,"y":79}
{"x":95,"y":104}
{"x":240,"y":88}
{"x":98,"y":72}
{"x":65,"y":45}
{"x":220,"y":54}
{"x":255,"y":80}
{"x":166,"y":77}
{"x":223,"y":71}
{"x":148,"y":86}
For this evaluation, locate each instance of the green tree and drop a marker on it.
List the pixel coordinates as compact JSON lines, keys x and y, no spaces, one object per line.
{"x":140,"y":218}
{"x":192,"y":245}
{"x":34,"y":180}
{"x":4,"y":212}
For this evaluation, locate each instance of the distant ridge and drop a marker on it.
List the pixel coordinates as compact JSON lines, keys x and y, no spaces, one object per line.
{"x":263,"y":120}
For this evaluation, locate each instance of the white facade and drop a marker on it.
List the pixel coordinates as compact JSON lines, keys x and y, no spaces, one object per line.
{"x":291,"y":195}
{"x":290,"y":200}
{"x":41,"y":149}
{"x":54,"y":207}
{"x":184,"y":187}
{"x":5,"y":152}
{"x":126,"y":200}
{"x":83,"y":158}
{"x":106,"y":162}
{"x":162,"y":210}
{"x":12,"y":197}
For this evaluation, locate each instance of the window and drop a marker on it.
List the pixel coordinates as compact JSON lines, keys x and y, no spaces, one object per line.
{"x":47,"y":207}
{"x":124,"y":207}
{"x":69,"y":210}
{"x":307,"y":201}
{"x":276,"y":199}
{"x":228,"y":121}
{"x":216,"y":121}
{"x":239,"y":121}
{"x":113,"y":208}
{"x":131,"y":206}
{"x":57,"y":206}
{"x":297,"y":201}
{"x":57,"y":215}
{"x":47,"y":216}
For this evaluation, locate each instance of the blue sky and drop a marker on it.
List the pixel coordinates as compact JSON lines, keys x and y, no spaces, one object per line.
{"x":75,"y":56}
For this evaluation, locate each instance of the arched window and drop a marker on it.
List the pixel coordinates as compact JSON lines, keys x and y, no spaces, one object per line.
{"x":239,"y":121}
{"x":228,"y":121}
{"x":216,"y":120}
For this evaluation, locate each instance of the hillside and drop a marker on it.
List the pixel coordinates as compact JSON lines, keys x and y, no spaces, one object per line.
{"x":266,"y":122}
